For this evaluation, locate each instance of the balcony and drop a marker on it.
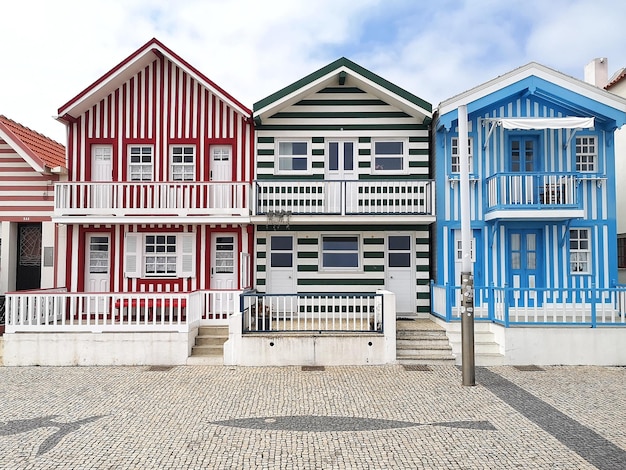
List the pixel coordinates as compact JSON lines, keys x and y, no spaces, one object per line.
{"x":353,"y":198}
{"x":532,"y":196}
{"x":222,"y":200}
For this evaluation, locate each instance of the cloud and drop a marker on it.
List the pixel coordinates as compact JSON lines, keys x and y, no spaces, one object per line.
{"x":54,"y":50}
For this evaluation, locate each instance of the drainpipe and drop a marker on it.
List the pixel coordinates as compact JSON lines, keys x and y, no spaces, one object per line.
{"x":467,"y":277}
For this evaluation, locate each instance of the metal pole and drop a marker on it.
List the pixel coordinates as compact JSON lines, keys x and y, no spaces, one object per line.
{"x":467,"y":278}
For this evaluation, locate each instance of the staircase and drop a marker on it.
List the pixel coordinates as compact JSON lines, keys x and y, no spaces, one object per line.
{"x":422,"y":341}
{"x":209,"y":347}
{"x":486,"y":349}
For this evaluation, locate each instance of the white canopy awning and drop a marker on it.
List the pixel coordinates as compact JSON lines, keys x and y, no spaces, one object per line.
{"x":546,"y":123}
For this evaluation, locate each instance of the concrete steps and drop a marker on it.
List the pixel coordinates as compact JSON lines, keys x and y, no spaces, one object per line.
{"x":486,"y":349}
{"x":421,"y":341}
{"x":209,"y":346}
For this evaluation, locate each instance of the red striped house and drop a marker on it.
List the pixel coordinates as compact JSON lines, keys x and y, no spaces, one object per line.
{"x":159,"y":173}
{"x":30,"y":164}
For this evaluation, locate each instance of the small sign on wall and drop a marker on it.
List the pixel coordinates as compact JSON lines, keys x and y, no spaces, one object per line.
{"x":48,"y":256}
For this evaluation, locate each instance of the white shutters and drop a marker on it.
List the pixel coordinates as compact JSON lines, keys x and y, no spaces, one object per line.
{"x":186,"y":263}
{"x":135,"y":257}
{"x":132,"y":264}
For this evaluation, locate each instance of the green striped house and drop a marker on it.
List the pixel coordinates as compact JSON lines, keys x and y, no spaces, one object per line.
{"x":343,"y":192}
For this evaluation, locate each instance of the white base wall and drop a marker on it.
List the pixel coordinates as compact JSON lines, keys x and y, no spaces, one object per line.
{"x":97,"y":349}
{"x":562,"y":346}
{"x":309,"y":350}
{"x":549,"y":345}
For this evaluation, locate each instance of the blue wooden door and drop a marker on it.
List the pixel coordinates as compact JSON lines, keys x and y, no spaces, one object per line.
{"x":524,"y":163}
{"x":524,"y":267}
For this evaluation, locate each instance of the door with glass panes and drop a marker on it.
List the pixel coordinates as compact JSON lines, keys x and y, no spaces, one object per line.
{"x":340,"y":172}
{"x":525,"y":266}
{"x":400,"y":272}
{"x":281,"y":267}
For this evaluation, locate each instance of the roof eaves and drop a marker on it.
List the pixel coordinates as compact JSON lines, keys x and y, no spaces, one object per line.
{"x":304,"y":83}
{"x":153,"y":46}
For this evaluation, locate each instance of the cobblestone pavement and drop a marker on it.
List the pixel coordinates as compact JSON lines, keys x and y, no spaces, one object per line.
{"x":373,"y":417}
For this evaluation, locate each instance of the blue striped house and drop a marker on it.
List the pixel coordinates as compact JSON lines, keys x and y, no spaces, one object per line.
{"x":344,"y":196}
{"x":542,"y":192}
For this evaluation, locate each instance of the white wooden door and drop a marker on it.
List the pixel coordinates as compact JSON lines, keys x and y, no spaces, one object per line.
{"x":340,"y":169}
{"x":221,"y":172}
{"x":224,"y":261}
{"x":400,"y":272}
{"x":280,"y":265}
{"x":97,"y":268}
{"x":101,"y":170}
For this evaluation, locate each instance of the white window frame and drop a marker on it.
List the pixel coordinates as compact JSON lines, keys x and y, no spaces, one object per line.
{"x":168,"y":243}
{"x":455,"y":157}
{"x":359,"y":251}
{"x":586,"y":160}
{"x":182,"y":170}
{"x":379,"y":169}
{"x":579,"y":256}
{"x":278,"y":157}
{"x":145,"y":170}
{"x":135,"y":256}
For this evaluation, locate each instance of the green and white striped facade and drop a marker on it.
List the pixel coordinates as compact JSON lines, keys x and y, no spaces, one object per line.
{"x":340,"y":191}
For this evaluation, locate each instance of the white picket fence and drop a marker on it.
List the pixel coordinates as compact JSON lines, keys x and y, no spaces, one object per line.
{"x":60,"y":311}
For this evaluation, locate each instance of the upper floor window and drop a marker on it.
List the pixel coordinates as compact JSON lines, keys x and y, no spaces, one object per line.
{"x":389,"y":155}
{"x":456,"y":157}
{"x":140,"y":162}
{"x":586,"y":154}
{"x":182,"y":160}
{"x":293,"y":156}
{"x":579,"y":251}
{"x":340,"y":251}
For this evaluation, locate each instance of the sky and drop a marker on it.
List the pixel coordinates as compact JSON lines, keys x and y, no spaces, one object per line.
{"x":51,"y":50}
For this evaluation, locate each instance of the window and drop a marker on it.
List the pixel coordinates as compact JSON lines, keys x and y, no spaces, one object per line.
{"x":456,"y":157}
{"x":621,"y":252}
{"x":281,"y":251}
{"x":586,"y":154}
{"x":160,"y":255}
{"x":140,"y":163}
{"x":389,"y":155}
{"x":293,"y":156}
{"x":340,"y":251}
{"x":579,"y":251}
{"x":183,"y":163}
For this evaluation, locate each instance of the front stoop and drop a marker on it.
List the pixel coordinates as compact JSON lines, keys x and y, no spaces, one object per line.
{"x":209,"y":347}
{"x":1,"y":351}
{"x":486,"y":349}
{"x":421,"y":341}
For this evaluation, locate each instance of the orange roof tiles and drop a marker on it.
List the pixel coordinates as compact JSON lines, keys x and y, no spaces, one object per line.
{"x":50,"y":152}
{"x":616,"y":78}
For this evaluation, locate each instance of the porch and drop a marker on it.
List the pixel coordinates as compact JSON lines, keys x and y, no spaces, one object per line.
{"x":151,"y":198}
{"x":345,"y":197}
{"x":510,"y":307}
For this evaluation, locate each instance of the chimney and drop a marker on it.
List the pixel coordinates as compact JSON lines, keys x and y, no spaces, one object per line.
{"x":597,"y":72}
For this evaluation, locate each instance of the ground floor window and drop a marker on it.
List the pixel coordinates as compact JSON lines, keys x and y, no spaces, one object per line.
{"x":621,"y":251}
{"x":159,"y":255}
{"x":580,"y":251}
{"x":340,"y":251}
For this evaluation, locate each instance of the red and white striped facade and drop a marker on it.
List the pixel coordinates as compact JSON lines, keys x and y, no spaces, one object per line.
{"x":155,"y":99}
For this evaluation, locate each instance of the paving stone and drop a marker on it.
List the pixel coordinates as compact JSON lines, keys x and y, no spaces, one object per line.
{"x":387,"y":417}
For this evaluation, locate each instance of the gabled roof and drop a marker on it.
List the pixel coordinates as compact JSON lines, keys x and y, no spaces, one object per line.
{"x":336,"y":74}
{"x":129,"y":67}
{"x":581,"y":98}
{"x":39,"y":151}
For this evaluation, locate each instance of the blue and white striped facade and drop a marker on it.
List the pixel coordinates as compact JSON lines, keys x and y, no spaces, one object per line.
{"x":543,"y":195}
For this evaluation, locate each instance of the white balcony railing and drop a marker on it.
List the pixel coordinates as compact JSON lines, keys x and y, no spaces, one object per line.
{"x":531,"y":191}
{"x":351,"y":197}
{"x":151,"y":198}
